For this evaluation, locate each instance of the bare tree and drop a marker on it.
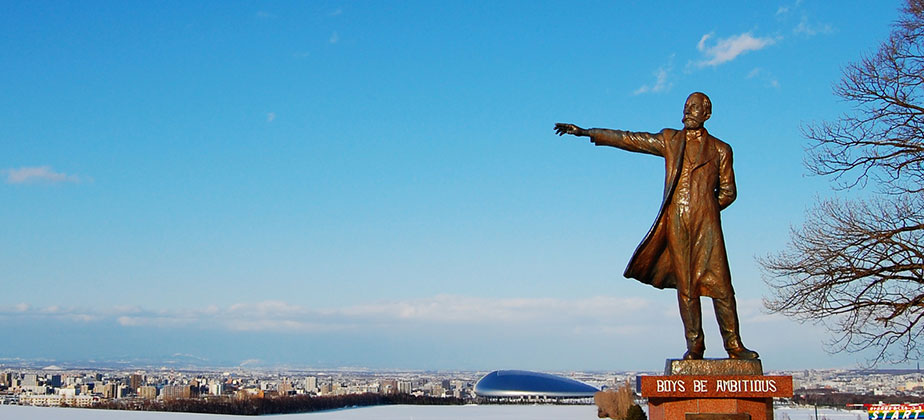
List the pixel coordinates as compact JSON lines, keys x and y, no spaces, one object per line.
{"x":858,"y":265}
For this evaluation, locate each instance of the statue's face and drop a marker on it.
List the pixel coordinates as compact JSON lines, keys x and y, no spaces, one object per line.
{"x":696,"y":111}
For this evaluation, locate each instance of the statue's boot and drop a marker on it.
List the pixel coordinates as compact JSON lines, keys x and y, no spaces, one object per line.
{"x":727,"y":315}
{"x":692,"y":316}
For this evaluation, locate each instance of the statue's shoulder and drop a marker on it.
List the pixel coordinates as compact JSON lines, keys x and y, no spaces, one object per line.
{"x":668,"y":133}
{"x":720,"y":145}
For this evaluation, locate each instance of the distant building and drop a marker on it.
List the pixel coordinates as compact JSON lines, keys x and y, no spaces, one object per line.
{"x":110,"y":390}
{"x":87,"y":389}
{"x":404,"y":387}
{"x":58,"y":400}
{"x":389,"y":386}
{"x":135,"y":381}
{"x":66,"y":392}
{"x":311,"y":384}
{"x":326,"y":388}
{"x":173,"y":392}
{"x":6,"y":379}
{"x":35,"y":389}
{"x":29,"y":380}
{"x":216,"y":388}
{"x":247,"y":393}
{"x":194,"y":388}
{"x":437,"y":391}
{"x":147,"y":392}
{"x":284,"y":387}
{"x":525,"y":384}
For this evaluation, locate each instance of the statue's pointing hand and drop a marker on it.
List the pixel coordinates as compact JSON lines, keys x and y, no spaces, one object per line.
{"x":563,"y":128}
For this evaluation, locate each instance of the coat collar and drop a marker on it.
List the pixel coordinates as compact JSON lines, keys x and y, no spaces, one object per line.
{"x":707,"y":152}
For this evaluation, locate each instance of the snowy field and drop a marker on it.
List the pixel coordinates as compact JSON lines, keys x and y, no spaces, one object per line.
{"x":392,"y":412}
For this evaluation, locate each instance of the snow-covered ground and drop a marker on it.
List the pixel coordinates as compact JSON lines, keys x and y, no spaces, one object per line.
{"x":391,"y":412}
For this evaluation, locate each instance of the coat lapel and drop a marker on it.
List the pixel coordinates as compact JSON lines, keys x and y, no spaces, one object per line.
{"x":677,"y":147}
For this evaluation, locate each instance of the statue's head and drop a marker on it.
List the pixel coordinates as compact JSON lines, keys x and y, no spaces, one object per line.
{"x":696,"y":110}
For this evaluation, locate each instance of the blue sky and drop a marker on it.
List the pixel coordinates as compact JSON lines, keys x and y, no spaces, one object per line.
{"x":378,"y":184}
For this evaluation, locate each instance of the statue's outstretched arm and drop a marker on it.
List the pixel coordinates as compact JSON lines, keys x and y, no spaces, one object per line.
{"x":651,"y":143}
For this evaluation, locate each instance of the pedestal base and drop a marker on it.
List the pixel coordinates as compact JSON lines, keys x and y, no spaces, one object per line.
{"x":713,"y":367}
{"x":710,"y":408}
{"x":717,"y":389}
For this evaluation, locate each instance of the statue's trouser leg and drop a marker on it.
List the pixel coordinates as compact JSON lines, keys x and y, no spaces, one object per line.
{"x":692,"y":316}
{"x":726,"y":314}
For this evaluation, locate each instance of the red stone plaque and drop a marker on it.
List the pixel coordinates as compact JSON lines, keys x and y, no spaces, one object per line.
{"x":713,"y":389}
{"x":683,"y":386}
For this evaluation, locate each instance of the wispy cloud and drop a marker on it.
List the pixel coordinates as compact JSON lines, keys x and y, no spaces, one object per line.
{"x":662,"y":81}
{"x":761,"y":74}
{"x":786,"y":8}
{"x":557,"y":325}
{"x":19,"y":307}
{"x":24,"y":311}
{"x":334,"y":38}
{"x":154,"y":321}
{"x":442,"y":310}
{"x":270,"y":117}
{"x":38,"y":174}
{"x":460,"y":309}
{"x":808,"y":28}
{"x":727,"y":49}
{"x":262,"y":14}
{"x":335,"y":12}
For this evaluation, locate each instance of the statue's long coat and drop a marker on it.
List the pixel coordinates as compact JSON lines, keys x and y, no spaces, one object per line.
{"x":689,"y":256}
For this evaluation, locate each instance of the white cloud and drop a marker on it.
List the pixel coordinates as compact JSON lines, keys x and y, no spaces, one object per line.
{"x":54,"y":312}
{"x":589,"y":322}
{"x":807,"y":28}
{"x":334,"y":38}
{"x":764,"y":75}
{"x":443,"y":310}
{"x":265,"y":15}
{"x":786,"y":8}
{"x":727,"y":49}
{"x":335,"y":12}
{"x":17,"y":308}
{"x":472,"y":310}
{"x":154,"y":321}
{"x":661,"y":83}
{"x":270,"y":116}
{"x":37,"y":174}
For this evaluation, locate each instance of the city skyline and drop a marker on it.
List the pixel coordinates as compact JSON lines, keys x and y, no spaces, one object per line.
{"x":375,"y":184}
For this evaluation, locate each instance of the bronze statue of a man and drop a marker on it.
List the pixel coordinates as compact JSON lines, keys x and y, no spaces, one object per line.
{"x":684,"y":249}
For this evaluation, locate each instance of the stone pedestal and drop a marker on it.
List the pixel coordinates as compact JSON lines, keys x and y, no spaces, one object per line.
{"x":719,"y":389}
